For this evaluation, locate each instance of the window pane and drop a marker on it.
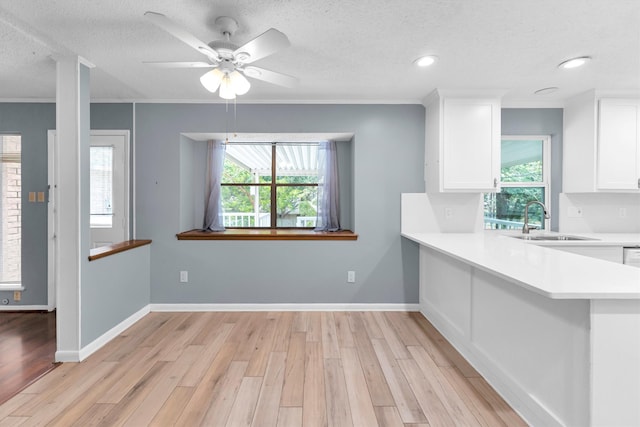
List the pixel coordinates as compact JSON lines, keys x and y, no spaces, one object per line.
{"x":10,"y":208}
{"x":505,"y":210}
{"x":247,"y":163}
{"x":297,"y":206}
{"x":521,"y":161}
{"x":246,"y":205}
{"x":101,"y":186}
{"x":297,"y":163}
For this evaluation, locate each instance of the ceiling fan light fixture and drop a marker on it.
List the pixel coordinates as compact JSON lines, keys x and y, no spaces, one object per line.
{"x":574,"y":62}
{"x":239,"y":83}
{"x":226,"y":88}
{"x":252,"y":72}
{"x":211,"y":79}
{"x":425,"y":61}
{"x":242,"y":56}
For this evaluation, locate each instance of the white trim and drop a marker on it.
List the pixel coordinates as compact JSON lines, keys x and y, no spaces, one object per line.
{"x":546,"y":171}
{"x":410,"y":101}
{"x":132,"y":173}
{"x":219,"y":101}
{"x":98,"y":343}
{"x":52,"y":223}
{"x":533,"y":103}
{"x":126,"y":135}
{"x":522,"y":402}
{"x":67,"y":356}
{"x":102,"y":340}
{"x":286,"y":307}
{"x":25,"y":308}
{"x":11,"y":287}
{"x":28,"y":100}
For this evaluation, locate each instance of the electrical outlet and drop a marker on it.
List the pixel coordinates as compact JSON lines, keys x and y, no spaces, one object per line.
{"x":351,"y":276}
{"x":17,"y":295}
{"x":448,"y":213}
{"x":574,"y":212}
{"x":184,"y":277}
{"x":622,"y":212}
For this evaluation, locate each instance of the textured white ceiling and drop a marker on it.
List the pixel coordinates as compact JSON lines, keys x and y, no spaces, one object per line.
{"x":342,"y":50}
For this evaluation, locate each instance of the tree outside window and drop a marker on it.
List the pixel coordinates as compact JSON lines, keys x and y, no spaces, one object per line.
{"x":264,"y":178}
{"x":524,"y":177}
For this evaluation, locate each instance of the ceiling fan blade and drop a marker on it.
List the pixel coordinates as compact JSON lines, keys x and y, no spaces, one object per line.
{"x":179,"y":64}
{"x":264,"y":45}
{"x":271,"y":76}
{"x":180,"y":33}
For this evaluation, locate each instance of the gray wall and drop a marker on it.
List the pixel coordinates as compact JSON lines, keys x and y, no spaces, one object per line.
{"x":113,"y":288}
{"x":540,"y":121}
{"x":387,"y":153}
{"x":31,"y":120}
{"x":387,"y":159}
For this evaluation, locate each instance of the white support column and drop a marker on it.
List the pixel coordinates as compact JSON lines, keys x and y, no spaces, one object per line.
{"x":72,"y":126}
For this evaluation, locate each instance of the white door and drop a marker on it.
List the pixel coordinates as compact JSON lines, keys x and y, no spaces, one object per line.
{"x":118,"y":230}
{"x":109,"y":187}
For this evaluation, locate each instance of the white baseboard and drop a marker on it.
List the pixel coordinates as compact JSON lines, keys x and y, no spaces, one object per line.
{"x":286,"y":307}
{"x":99,"y":342}
{"x":67,"y":356}
{"x":525,"y":404}
{"x":88,"y":350}
{"x":25,"y":308}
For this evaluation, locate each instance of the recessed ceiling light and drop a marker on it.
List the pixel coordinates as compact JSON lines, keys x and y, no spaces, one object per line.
{"x":425,"y":61}
{"x":546,"y":90}
{"x":574,"y":62}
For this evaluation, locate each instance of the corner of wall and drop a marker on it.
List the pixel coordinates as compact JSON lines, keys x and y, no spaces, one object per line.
{"x":441,"y":213}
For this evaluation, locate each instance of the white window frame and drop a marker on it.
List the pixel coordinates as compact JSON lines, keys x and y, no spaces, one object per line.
{"x":14,"y":286}
{"x":546,"y":170}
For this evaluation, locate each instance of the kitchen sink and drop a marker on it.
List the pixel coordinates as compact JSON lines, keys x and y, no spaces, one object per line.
{"x":550,"y":237}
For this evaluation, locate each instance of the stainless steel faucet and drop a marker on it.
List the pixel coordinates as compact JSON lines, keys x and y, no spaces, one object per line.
{"x":526,"y":227}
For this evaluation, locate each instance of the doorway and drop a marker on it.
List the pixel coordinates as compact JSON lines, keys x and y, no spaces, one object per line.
{"x":109,"y":187}
{"x":109,"y":195}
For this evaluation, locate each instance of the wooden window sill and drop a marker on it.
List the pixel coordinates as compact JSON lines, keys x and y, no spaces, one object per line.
{"x":104,"y":251}
{"x":266,"y":234}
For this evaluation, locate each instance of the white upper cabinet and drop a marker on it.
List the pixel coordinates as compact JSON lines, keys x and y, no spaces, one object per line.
{"x":601,"y":145}
{"x":462,"y":147}
{"x":618,"y":144}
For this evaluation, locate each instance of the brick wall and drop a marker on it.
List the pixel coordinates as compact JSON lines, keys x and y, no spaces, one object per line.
{"x":11,"y":189}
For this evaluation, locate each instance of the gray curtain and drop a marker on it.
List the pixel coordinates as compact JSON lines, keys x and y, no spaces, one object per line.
{"x":328,"y":194}
{"x":213,"y":218}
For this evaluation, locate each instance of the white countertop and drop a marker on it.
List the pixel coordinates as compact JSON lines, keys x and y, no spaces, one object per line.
{"x":543,"y":270}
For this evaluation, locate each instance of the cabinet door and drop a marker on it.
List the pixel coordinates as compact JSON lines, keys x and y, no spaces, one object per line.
{"x":618,"y":146}
{"x":471,"y":134}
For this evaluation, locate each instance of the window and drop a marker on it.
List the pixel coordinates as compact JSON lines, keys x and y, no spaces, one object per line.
{"x":109,"y":187}
{"x":524,"y":176}
{"x":270,"y":185}
{"x":101,"y":183}
{"x":10,"y":210}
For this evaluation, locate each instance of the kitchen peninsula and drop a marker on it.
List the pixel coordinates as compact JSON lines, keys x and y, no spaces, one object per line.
{"x":557,"y":334}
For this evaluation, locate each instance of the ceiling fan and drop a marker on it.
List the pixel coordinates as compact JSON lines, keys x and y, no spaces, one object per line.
{"x":228,"y":61}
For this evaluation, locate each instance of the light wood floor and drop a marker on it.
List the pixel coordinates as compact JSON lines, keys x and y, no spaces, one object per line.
{"x":267,"y":369}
